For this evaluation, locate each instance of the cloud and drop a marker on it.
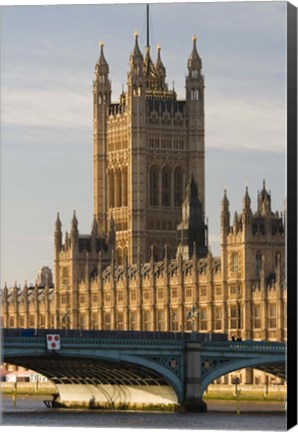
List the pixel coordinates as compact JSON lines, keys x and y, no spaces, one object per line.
{"x":243,"y":122}
{"x":47,"y":108}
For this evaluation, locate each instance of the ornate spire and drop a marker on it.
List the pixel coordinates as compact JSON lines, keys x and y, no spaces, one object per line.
{"x":58,"y":224}
{"x":194,"y":60}
{"x":74,"y":224}
{"x":94,"y":230}
{"x":246,"y":200}
{"x":159,"y":63}
{"x":112,"y":232}
{"x":160,"y":69}
{"x":102,"y":65}
{"x":264,"y":200}
{"x":225,"y":202}
{"x":136,"y":57}
{"x":58,"y":233}
{"x":236,"y":222}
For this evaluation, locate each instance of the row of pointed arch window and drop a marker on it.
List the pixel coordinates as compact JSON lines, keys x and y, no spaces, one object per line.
{"x":235,"y":262}
{"x":102,"y":78}
{"x":117,"y":187}
{"x":146,"y":321}
{"x":195,"y":94}
{"x":201,"y":323}
{"x":102,"y":98}
{"x":161,"y":185}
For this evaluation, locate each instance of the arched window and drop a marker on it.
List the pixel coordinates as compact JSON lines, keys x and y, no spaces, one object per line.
{"x":124,"y":187}
{"x":125,"y":253}
{"x":120,"y":321}
{"x":99,"y":99}
{"x":258,"y":263}
{"x":153,"y":193}
{"x":166,"y":187}
{"x":111,"y":189}
{"x":133,"y":324}
{"x":235,"y":262}
{"x":178,"y":187}
{"x":118,"y":187}
{"x":146,"y":320}
{"x":195,"y":73}
{"x":107,"y":321}
{"x":119,"y":256}
{"x":194,"y":94}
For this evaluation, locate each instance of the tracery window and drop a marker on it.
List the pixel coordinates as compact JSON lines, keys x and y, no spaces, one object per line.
{"x":133,"y":320}
{"x":166,"y":186}
{"x":272,"y":316}
{"x":94,"y":321}
{"x":120,"y":321}
{"x":178,"y":187}
{"x":174,"y":320}
{"x":218,"y":318}
{"x":235,"y":317}
{"x":203,"y":319}
{"x":107,"y":321}
{"x":256,"y":316}
{"x":160,"y":320}
{"x":146,"y":320}
{"x":235,"y":262}
{"x":124,"y":187}
{"x":194,"y":94}
{"x":153,"y":186}
{"x":195,"y":73}
{"x":258,"y":263}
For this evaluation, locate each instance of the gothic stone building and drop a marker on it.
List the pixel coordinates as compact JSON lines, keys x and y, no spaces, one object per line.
{"x":146,"y":264}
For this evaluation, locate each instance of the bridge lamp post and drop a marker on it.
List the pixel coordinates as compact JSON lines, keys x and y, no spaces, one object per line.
{"x":65,"y":321}
{"x":193,"y":315}
{"x":174,"y":322}
{"x":236,"y":381}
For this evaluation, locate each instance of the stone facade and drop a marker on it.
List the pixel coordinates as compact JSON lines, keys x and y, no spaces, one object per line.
{"x":146,"y":264}
{"x":146,"y":147}
{"x":243,"y":293}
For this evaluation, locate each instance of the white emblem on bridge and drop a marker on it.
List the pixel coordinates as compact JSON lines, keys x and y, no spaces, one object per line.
{"x":53,"y":342}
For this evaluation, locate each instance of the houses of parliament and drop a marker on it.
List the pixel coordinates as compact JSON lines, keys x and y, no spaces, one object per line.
{"x":146,"y":265}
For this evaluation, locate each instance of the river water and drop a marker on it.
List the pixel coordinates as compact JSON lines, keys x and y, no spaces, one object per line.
{"x":30,"y":411}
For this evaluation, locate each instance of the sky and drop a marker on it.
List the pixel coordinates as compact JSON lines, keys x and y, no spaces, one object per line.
{"x":48,"y":56}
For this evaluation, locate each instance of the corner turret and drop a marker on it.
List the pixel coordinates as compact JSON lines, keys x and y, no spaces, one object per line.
{"x":264,"y":201}
{"x":194,"y":81}
{"x":58,"y":233}
{"x":246,"y":209}
{"x":225,"y":216}
{"x":74,"y":227}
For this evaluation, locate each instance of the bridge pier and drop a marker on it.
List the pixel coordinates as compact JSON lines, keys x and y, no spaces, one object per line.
{"x":194,"y":405}
{"x":193,"y":401}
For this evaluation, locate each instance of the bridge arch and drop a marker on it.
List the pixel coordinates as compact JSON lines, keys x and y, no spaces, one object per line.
{"x":260,"y":362}
{"x":110,"y":376}
{"x":153,"y":368}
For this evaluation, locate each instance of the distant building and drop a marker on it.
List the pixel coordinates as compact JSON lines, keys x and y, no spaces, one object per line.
{"x":44,"y":277}
{"x":146,"y":265}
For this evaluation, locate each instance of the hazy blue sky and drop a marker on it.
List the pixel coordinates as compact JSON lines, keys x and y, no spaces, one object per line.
{"x":47,"y":68}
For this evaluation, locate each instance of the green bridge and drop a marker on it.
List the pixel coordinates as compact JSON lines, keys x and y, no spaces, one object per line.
{"x":115,"y":367}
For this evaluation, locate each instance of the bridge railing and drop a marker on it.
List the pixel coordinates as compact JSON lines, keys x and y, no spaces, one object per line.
{"x":115,"y":334}
{"x":248,"y":345}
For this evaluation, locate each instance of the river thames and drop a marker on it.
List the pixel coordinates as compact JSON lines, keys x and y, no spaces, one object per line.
{"x":30,"y":411}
